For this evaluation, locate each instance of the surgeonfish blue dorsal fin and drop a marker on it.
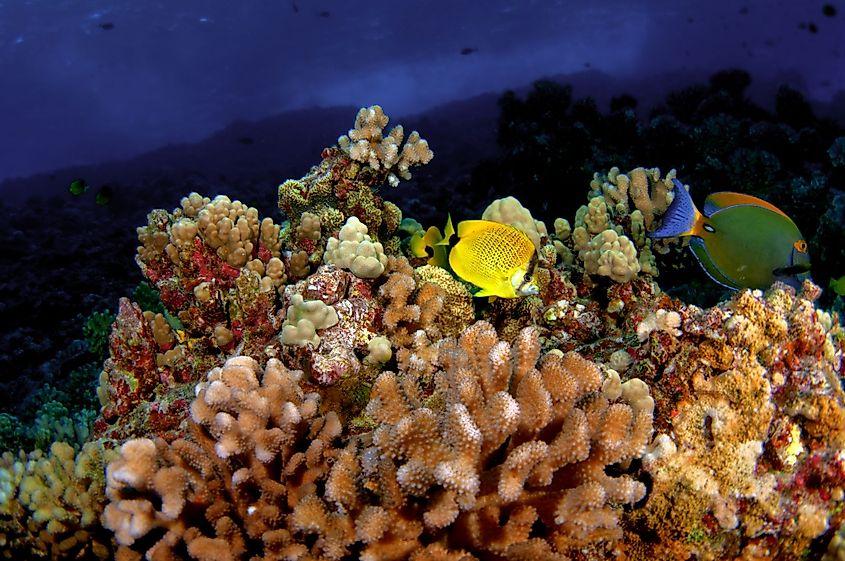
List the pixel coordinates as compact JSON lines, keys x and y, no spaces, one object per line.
{"x":680,"y":217}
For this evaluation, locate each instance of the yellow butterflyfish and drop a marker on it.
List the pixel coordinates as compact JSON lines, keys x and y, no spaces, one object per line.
{"x":497,"y":258}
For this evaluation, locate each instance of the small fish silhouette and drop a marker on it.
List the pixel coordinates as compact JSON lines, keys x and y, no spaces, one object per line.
{"x":77,"y":187}
{"x":104,"y":195}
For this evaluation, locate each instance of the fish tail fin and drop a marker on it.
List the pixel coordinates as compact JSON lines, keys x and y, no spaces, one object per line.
{"x":448,"y":231}
{"x":681,"y":216}
{"x":417,"y":245}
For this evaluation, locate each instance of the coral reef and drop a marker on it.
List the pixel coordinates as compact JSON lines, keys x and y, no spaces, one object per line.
{"x":305,"y":391}
{"x":367,"y":143}
{"x":340,"y":306}
{"x":609,"y":233}
{"x":510,"y":211}
{"x":712,"y":133}
{"x":216,"y":267}
{"x":508,"y":459}
{"x":259,"y":448}
{"x":753,"y":411}
{"x":145,"y":361}
{"x":304,"y":319}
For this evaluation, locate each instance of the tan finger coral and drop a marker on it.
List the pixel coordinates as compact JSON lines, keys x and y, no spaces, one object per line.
{"x":510,"y":462}
{"x":649,"y":192}
{"x":609,"y":233}
{"x":413,"y":313}
{"x":233,"y":229}
{"x":259,"y":448}
{"x":367,"y":143}
{"x":513,"y":464}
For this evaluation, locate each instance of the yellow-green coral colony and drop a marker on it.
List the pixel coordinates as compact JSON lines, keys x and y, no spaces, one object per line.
{"x":741,"y":241}
{"x":497,"y":258}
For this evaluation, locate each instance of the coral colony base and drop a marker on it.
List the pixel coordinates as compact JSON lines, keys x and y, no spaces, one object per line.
{"x":311,"y":393}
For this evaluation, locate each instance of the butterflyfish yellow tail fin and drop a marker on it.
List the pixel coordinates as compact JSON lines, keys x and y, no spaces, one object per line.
{"x":448,"y":231}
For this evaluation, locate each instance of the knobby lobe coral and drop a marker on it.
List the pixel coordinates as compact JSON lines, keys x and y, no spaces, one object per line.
{"x":217,"y":267}
{"x":505,"y":457}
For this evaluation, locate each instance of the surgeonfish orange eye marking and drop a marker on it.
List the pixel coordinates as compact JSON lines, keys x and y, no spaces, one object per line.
{"x":801,"y":246}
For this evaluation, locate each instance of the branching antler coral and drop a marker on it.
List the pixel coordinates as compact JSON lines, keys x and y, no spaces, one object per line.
{"x":518,"y":450}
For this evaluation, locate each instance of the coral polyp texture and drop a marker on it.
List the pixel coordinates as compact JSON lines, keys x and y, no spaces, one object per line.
{"x":508,"y":458}
{"x":259,"y":447}
{"x":307,"y":390}
{"x":50,"y":503}
{"x":755,"y":430}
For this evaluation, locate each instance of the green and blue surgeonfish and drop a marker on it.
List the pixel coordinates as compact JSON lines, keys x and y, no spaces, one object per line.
{"x":740,"y":241}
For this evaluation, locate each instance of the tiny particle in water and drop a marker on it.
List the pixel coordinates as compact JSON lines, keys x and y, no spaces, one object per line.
{"x":325,"y":14}
{"x":468,"y":50}
{"x":107,"y":26}
{"x":829,"y":10}
{"x":743,"y":11}
{"x":812,"y":28}
{"x":246,"y":140}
